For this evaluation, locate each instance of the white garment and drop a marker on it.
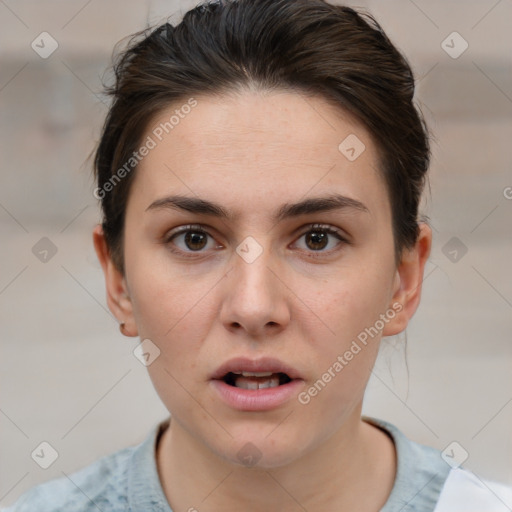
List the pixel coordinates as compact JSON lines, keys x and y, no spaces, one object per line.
{"x":463,"y":491}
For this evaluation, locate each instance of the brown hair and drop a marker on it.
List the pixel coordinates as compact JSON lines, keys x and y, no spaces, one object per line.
{"x":305,"y":45}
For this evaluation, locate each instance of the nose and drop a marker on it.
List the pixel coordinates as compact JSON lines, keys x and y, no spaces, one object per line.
{"x":255,"y":298}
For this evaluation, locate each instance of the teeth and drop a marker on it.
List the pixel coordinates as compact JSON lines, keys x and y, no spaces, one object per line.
{"x":256,"y":374}
{"x":270,"y":383}
{"x":243,"y":383}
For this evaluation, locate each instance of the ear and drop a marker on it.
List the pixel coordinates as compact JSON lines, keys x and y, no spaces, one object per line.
{"x":118,"y":297}
{"x":408,"y":282}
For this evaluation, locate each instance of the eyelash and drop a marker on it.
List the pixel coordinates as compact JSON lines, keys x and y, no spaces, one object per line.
{"x":197,"y":228}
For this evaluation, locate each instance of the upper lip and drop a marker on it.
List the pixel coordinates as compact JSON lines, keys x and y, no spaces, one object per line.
{"x":264,"y":364}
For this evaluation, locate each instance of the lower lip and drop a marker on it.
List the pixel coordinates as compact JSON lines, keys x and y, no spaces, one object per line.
{"x":257,"y":399}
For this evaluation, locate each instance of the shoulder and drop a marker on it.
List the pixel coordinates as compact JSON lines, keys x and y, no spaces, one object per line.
{"x":100,"y":486}
{"x":426,"y":482}
{"x":464,"y":491}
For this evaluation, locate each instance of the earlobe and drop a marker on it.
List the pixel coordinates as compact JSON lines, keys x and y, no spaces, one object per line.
{"x":408,"y":282}
{"x":118,"y":298}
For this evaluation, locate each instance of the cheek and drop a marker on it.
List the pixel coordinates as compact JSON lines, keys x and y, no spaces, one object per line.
{"x":344,"y":360}
{"x":328,"y":401}
{"x":175,"y":323}
{"x":169,"y":301}
{"x":172,"y":311}
{"x":353,"y":302}
{"x":351,"y":307}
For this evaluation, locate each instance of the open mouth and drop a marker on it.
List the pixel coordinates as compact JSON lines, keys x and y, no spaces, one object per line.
{"x":256,"y":380}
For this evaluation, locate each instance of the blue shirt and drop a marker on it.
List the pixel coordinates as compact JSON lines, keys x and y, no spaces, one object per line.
{"x":128,"y":480}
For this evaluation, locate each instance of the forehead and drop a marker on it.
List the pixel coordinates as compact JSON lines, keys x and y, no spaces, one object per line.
{"x":238,"y":148}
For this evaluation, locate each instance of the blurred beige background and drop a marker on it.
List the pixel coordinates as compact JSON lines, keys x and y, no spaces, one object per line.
{"x":69,"y":377}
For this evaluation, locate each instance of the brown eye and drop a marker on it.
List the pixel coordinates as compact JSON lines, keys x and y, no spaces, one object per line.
{"x":195,"y":240}
{"x":316,"y":240}
{"x":190,"y":239}
{"x":322,"y":240}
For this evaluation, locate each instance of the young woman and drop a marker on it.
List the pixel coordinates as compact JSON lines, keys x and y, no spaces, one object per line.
{"x":259,"y":172}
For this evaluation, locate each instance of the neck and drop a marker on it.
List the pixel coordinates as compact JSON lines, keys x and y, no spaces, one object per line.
{"x":353,"y":469}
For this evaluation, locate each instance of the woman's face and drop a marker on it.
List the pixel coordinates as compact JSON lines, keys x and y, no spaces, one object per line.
{"x":260,"y":283}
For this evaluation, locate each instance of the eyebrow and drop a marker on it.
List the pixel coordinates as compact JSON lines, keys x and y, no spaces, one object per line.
{"x":286,"y":211}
